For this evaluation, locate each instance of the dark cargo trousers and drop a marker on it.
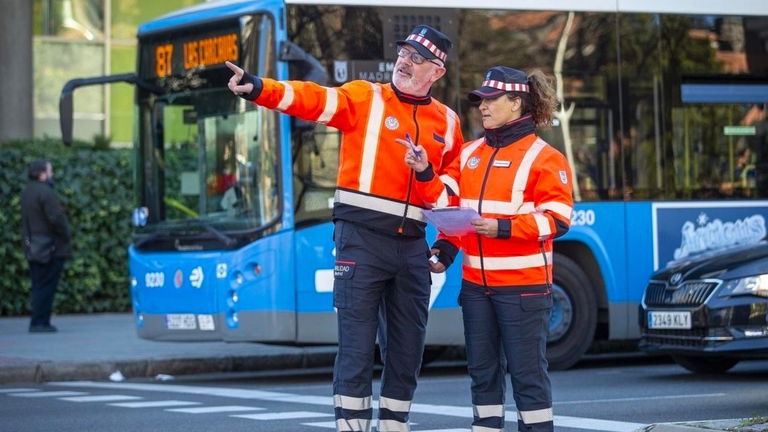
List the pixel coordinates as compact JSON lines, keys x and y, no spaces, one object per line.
{"x":514,"y":325}
{"x":373,"y":268}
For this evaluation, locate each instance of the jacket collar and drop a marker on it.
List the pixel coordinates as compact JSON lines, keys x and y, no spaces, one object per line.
{"x":511,"y":132}
{"x":413,"y":100}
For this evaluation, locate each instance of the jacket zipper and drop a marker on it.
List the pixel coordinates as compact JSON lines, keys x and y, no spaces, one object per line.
{"x":480,"y":210}
{"x":401,"y":228}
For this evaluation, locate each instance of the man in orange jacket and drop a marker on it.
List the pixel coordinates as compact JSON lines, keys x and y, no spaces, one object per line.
{"x":379,"y":228}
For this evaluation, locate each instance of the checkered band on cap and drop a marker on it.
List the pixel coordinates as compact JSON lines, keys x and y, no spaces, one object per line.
{"x":428,"y":45}
{"x":506,"y":86}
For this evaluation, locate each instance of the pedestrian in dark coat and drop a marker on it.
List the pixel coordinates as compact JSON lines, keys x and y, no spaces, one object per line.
{"x":43,"y":223}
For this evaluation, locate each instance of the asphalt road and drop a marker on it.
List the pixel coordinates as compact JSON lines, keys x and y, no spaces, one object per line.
{"x":618,"y":394}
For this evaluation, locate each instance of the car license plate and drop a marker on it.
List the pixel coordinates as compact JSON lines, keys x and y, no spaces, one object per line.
{"x":180,"y":322}
{"x":669,"y":320}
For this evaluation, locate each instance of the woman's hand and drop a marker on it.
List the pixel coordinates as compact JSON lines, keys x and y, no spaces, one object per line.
{"x":486,"y":227}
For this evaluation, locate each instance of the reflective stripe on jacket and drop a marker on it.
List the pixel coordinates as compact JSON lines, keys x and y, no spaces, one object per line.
{"x":527,"y":183}
{"x":374,"y":185}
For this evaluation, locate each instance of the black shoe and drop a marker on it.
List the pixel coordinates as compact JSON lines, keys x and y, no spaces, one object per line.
{"x":45,"y":328}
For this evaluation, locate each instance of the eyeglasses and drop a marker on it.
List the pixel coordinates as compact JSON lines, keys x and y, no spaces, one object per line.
{"x":414,"y":56}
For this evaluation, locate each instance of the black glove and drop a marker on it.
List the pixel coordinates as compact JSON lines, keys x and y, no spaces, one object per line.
{"x":447,"y":253}
{"x":257,"y":86}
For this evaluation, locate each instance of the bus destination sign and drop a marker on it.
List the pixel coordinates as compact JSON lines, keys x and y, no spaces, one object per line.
{"x":180,"y":56}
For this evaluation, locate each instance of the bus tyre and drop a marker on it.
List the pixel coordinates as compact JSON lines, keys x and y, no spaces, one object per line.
{"x":574,"y":314}
{"x":705,"y":365}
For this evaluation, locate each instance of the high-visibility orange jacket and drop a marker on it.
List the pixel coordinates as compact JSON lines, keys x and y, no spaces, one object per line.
{"x":374,"y":185}
{"x":526,"y":186}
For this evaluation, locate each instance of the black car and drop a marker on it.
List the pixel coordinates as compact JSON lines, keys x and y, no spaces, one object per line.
{"x":711,"y":311}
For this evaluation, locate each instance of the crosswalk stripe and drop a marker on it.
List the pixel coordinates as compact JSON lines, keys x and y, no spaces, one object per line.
{"x":101,"y":398}
{"x":214,"y":409}
{"x":48,"y":394}
{"x":17,"y":390}
{"x":327,"y":425}
{"x":283,"y":415}
{"x":154,"y":404}
{"x":445,"y":410}
{"x":445,"y":430}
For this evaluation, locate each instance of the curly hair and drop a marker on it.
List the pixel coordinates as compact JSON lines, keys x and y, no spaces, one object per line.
{"x":541,"y":100}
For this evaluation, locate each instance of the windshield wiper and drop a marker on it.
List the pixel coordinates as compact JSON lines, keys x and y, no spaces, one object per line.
{"x":223,"y":237}
{"x":226,"y":239}
{"x":168,"y":232}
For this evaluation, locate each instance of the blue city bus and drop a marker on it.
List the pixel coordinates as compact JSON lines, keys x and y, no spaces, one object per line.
{"x":663,"y":121}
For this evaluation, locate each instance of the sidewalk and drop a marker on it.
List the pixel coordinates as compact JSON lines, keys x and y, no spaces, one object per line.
{"x":91,"y":347}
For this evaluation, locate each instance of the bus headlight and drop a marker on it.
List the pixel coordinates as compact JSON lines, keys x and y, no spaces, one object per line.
{"x":751,"y":285}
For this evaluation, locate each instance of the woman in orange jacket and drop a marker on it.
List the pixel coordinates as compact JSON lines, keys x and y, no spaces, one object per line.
{"x":521,"y":188}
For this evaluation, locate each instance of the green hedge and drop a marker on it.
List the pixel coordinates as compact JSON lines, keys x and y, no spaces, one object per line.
{"x":96,"y":187}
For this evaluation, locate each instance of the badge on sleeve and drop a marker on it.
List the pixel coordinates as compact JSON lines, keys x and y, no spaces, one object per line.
{"x":563,"y":177}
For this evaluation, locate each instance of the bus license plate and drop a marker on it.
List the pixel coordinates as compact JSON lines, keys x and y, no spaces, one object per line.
{"x":180,"y":322}
{"x":669,"y":320}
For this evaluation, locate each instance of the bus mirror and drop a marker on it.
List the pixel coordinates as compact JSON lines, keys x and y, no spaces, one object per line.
{"x":309,"y":68}
{"x":65,"y":116}
{"x":66,"y":106}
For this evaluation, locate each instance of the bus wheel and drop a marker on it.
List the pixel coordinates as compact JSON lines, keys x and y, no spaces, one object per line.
{"x":574,"y":314}
{"x":705,"y":365}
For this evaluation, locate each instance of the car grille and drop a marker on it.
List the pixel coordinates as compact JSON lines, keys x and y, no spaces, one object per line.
{"x":700,"y":337}
{"x":692,"y":293}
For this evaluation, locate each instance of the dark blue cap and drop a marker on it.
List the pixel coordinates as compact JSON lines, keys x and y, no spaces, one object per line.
{"x":499,"y":80}
{"x":429,"y":42}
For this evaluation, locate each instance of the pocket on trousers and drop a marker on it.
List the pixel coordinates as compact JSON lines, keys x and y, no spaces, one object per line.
{"x":530,"y":303}
{"x":343,"y":271}
{"x":342,"y":293}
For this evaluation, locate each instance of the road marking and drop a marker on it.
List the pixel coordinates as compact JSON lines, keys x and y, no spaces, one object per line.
{"x":634,"y":399}
{"x":215,"y":409}
{"x":17,"y":390}
{"x":103,"y":398}
{"x":154,"y":404}
{"x":327,"y":425}
{"x":283,"y":415}
{"x":445,"y":430}
{"x":332,"y":425}
{"x":446,"y":410}
{"x":48,"y":394}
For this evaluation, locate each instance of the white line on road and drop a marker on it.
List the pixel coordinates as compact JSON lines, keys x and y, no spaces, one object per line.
{"x":154,"y":404}
{"x":215,"y":409}
{"x":283,"y":415}
{"x":48,"y":394}
{"x":634,"y":399}
{"x":17,"y":390}
{"x":446,"y":410}
{"x":327,"y":425}
{"x":102,"y":398}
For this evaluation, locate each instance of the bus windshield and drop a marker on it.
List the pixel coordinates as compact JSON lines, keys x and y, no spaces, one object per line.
{"x":209,"y":160}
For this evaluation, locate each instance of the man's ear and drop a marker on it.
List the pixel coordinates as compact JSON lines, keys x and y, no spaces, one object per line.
{"x":438,"y":73}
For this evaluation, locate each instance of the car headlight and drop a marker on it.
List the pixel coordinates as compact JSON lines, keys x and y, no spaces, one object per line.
{"x":750,"y":285}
